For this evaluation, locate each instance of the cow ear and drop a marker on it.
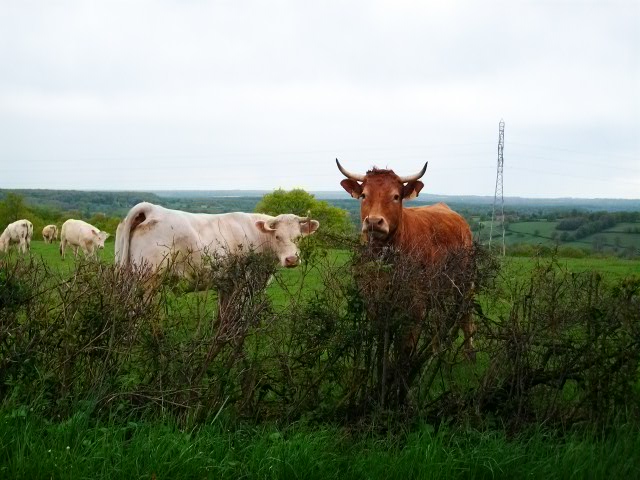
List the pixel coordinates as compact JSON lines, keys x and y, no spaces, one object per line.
{"x":412,"y":189}
{"x":352,"y":187}
{"x":94,"y":232}
{"x":307,"y":228}
{"x":264,"y":227}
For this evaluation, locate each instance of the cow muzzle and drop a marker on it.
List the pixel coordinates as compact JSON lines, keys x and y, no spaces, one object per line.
{"x":291,"y":261}
{"x":377,"y":227}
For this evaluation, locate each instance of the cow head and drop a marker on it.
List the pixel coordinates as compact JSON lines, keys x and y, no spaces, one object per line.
{"x":283,"y":232}
{"x":99,"y":238}
{"x":381,"y":193}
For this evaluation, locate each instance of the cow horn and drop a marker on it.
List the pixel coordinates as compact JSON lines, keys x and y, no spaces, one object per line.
{"x":352,"y":176}
{"x":412,"y":178}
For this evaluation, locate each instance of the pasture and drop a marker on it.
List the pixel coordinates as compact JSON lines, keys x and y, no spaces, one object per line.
{"x":610,"y":266}
{"x":624,"y":236}
{"x":298,"y":400}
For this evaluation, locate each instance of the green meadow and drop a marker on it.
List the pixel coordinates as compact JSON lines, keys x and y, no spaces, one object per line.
{"x":33,"y":446}
{"x":612,"y":240}
{"x":611,"y":266}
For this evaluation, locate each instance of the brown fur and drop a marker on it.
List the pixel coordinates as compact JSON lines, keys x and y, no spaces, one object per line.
{"x":427,"y":233}
{"x":431,"y":231}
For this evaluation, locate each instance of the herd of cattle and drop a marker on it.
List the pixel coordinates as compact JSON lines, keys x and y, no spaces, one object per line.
{"x":149,"y":232}
{"x":153,"y":236}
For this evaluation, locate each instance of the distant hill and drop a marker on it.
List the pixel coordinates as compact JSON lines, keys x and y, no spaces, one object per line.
{"x":117,"y":203}
{"x":596,"y":204}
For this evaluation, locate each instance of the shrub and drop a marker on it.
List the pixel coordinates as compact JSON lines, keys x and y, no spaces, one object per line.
{"x":359,"y":341}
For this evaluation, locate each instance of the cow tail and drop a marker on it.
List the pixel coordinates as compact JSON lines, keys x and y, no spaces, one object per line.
{"x":135,"y":217}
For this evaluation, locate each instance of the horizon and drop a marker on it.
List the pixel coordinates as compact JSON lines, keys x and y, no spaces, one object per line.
{"x":340,"y":194}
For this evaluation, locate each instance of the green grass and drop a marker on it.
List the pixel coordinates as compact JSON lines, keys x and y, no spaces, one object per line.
{"x":610,"y":238}
{"x":612,"y":268}
{"x":531,"y":232}
{"x":33,"y":448}
{"x":618,"y":267}
{"x":614,"y":239}
{"x":50,"y":253}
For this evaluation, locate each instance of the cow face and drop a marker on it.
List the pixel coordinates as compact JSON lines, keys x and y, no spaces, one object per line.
{"x":99,"y":238}
{"x":283,"y":232}
{"x":381,"y":193}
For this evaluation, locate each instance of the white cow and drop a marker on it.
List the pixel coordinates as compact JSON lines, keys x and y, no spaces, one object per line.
{"x":153,"y":235}
{"x":79,"y":234}
{"x":50,"y":233}
{"x":18,"y":232}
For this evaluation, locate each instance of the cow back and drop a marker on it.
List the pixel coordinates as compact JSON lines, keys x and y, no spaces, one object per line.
{"x":431,"y":232}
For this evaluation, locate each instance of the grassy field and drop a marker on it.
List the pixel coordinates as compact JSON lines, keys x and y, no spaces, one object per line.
{"x":614,"y":239}
{"x":79,"y":447}
{"x":33,"y":448}
{"x":613,"y":266}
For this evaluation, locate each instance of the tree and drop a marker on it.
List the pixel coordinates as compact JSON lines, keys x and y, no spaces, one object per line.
{"x":12,"y":208}
{"x":333,"y":220}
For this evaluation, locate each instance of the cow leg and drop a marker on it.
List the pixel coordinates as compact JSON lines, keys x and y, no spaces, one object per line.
{"x":62,"y":247}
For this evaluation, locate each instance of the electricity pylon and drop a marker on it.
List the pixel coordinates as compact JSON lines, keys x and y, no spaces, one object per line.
{"x":499,"y":187}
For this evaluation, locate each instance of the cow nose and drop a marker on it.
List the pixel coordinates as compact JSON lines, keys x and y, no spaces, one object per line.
{"x":376,"y":223}
{"x":291,"y":261}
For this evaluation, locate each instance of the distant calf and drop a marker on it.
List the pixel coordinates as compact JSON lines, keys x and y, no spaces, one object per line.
{"x":79,"y":234}
{"x":154,"y":235}
{"x":18,"y":232}
{"x":50,"y":233}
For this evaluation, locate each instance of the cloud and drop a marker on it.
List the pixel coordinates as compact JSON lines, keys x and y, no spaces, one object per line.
{"x":271,"y":92}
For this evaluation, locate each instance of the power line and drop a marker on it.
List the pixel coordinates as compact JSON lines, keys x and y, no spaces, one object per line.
{"x":579,"y":152}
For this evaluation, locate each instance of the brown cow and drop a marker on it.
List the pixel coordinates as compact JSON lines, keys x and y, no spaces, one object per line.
{"x":426,"y":233}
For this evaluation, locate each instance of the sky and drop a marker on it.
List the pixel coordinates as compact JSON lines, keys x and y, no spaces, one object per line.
{"x":161,"y":95}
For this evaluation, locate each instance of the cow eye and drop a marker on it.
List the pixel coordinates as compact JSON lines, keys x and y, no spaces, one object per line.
{"x":362,"y":196}
{"x":396,"y":197}
{"x":278,"y":237}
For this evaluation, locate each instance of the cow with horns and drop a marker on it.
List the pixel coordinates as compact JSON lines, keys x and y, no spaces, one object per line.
{"x":428,"y":234}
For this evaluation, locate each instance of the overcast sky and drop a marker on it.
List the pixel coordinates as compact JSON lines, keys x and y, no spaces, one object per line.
{"x":266,"y":94}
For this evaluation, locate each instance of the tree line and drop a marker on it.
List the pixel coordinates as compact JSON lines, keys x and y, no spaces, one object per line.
{"x":582,"y":226}
{"x":334,"y":220}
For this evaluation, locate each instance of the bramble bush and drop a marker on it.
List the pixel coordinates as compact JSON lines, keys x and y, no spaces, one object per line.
{"x":353,"y":342}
